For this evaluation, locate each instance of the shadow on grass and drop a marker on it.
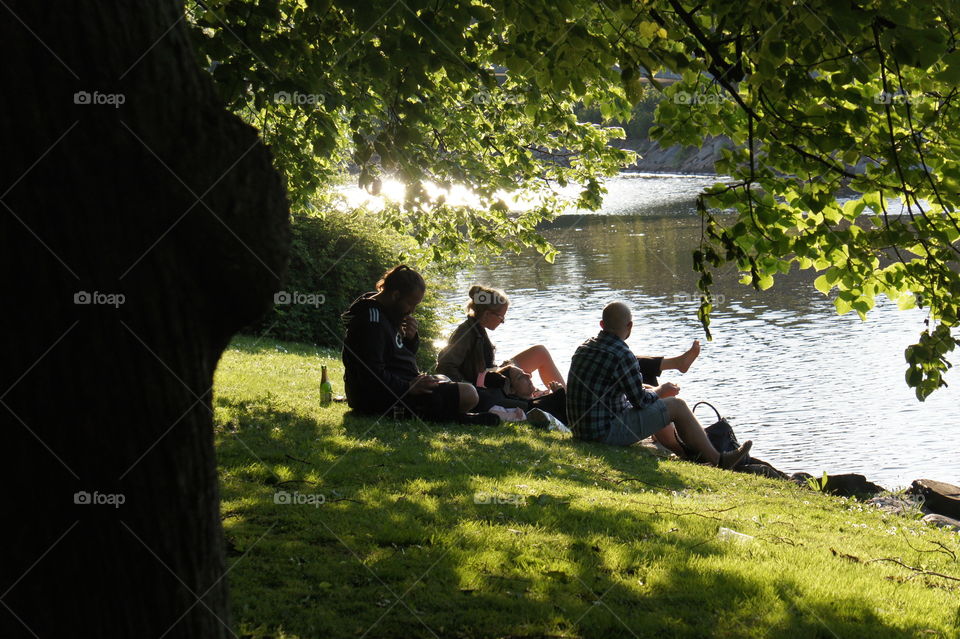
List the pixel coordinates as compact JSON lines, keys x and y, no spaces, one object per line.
{"x":421,"y":531}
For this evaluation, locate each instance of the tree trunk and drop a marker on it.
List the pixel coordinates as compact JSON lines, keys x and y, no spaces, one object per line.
{"x":141,"y":226}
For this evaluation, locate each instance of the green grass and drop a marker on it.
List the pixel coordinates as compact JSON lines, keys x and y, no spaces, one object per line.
{"x":429,"y":530}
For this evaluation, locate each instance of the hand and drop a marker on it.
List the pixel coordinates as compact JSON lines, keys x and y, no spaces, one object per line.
{"x":554,"y":386}
{"x":408,"y":326}
{"x":668,"y":389}
{"x":423,"y":385}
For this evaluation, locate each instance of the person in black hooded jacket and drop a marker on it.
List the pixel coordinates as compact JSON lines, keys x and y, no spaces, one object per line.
{"x":379,"y":356}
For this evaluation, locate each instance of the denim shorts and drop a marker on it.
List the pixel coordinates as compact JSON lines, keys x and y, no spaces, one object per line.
{"x":635,"y":424}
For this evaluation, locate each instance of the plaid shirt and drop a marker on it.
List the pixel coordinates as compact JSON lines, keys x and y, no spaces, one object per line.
{"x":604,"y":381}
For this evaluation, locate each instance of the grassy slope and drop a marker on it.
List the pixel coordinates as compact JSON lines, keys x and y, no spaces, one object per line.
{"x":451,"y":531}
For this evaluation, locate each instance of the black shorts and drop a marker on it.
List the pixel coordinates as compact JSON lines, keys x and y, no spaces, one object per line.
{"x":650,"y":368}
{"x":442,"y":405}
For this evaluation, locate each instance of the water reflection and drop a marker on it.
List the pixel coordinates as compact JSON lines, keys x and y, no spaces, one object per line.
{"x":816,"y":391}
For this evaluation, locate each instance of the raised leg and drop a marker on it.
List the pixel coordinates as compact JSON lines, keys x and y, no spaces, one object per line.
{"x":690,"y":429}
{"x":682,"y":362}
{"x":537,"y":358}
{"x":650,"y":368}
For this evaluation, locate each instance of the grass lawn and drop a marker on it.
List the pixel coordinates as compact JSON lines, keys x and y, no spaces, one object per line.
{"x":341,"y":526}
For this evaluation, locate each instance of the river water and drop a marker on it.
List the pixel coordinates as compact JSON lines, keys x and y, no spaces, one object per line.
{"x":815,"y":391}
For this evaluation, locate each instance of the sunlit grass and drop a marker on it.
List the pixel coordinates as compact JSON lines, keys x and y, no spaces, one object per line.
{"x":443,"y":530}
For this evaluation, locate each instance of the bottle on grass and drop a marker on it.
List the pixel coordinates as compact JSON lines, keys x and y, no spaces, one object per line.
{"x":326,"y":388}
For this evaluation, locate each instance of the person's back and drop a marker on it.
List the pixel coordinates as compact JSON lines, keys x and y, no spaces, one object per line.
{"x":378,"y":362}
{"x":467,"y":354}
{"x":601,"y":370}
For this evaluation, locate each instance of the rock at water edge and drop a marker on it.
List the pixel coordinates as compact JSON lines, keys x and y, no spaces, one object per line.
{"x":938,"y":496}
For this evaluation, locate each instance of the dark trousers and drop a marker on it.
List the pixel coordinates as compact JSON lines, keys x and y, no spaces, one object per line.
{"x":650,"y":367}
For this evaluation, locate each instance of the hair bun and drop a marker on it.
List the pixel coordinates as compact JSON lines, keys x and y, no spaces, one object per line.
{"x":484,"y":298}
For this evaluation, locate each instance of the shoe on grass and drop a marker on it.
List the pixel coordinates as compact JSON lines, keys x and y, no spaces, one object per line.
{"x":732,"y":458}
{"x":479,"y":419}
{"x":538,"y":419}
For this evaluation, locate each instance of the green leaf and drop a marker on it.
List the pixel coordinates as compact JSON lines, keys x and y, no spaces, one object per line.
{"x":843,"y":306}
{"x":906,"y":301}
{"x":822,"y":285}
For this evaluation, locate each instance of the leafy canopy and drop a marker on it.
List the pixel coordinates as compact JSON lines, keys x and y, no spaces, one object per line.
{"x":843,"y":114}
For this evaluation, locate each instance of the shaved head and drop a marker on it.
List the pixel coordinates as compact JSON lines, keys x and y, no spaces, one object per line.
{"x":616,"y":317}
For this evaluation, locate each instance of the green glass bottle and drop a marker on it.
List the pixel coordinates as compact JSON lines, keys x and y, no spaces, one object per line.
{"x":326,"y":388}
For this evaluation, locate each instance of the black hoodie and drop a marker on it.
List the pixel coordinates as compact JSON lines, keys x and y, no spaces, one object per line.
{"x":378,"y":363}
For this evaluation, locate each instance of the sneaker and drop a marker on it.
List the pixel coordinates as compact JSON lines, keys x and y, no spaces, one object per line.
{"x":538,"y":418}
{"x":732,"y":458}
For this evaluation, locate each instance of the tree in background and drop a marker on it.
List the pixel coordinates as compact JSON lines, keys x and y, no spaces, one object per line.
{"x":419,"y":92}
{"x":482,"y":93}
{"x":809,"y":91}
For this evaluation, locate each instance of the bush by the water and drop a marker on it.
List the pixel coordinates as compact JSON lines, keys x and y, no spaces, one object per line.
{"x":334,"y":258}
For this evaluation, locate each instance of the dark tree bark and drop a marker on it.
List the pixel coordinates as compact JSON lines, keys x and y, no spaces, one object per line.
{"x":171,"y":202}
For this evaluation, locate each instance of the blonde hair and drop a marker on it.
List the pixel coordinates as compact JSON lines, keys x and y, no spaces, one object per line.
{"x":484,"y":298}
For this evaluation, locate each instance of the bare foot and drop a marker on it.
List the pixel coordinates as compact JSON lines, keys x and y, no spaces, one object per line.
{"x":685,"y":360}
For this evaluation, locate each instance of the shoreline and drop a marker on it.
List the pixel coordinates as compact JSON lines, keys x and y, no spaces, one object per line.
{"x":675,"y":159}
{"x":910,"y":501}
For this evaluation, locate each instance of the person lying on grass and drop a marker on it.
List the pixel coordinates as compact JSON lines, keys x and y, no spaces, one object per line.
{"x":607,"y":401}
{"x":512,"y":387}
{"x":379,"y":357}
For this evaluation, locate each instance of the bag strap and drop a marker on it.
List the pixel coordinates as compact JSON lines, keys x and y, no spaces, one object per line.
{"x":694,"y":409}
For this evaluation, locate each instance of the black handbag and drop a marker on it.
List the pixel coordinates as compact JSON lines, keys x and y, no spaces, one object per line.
{"x":720,"y":433}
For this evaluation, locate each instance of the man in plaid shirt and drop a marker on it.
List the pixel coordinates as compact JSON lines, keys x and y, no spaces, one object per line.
{"x":607,"y":401}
